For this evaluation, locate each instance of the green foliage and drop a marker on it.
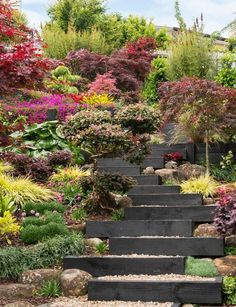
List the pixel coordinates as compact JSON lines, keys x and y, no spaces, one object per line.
{"x":102,"y":248}
{"x":79,"y":214}
{"x":226,"y":171}
{"x":8,"y":227}
{"x":71,"y":192}
{"x":50,"y":288}
{"x":15,"y":260}
{"x":43,"y":207}
{"x":227,"y":74}
{"x":156,"y":75}
{"x":204,"y":185}
{"x":33,"y":234}
{"x":48,"y":217}
{"x":59,"y":43}
{"x":230,"y":250}
{"x":200,"y":267}
{"x":62,"y":81}
{"x":69,"y":174}
{"x":229,"y":290}
{"x":6,"y":204}
{"x":191,"y":55}
{"x":118,"y":215}
{"x":138,"y":118}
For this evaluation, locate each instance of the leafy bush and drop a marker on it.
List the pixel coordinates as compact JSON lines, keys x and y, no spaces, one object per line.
{"x":174,"y":156}
{"x":227,"y":74}
{"x":229,"y":289}
{"x":33,"y":234}
{"x":69,"y":174}
{"x":98,"y":100}
{"x":230,"y":250}
{"x":60,"y":158}
{"x":6,"y":204}
{"x":204,"y":185}
{"x":138,"y":118}
{"x":8,"y":227}
{"x":105,"y":83}
{"x":226,"y":171}
{"x":200,"y":267}
{"x":83,"y":120}
{"x":70,"y":193}
{"x":50,"y":288}
{"x":15,"y":260}
{"x":118,"y":215}
{"x":48,"y":217}
{"x":225,"y":214}
{"x":22,"y":190}
{"x":43,"y":207}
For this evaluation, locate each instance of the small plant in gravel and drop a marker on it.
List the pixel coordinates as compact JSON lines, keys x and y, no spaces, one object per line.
{"x":79,"y":214}
{"x":50,"y":288}
{"x":229,"y":290}
{"x":200,"y":267}
{"x":102,"y":248}
{"x":118,"y":215}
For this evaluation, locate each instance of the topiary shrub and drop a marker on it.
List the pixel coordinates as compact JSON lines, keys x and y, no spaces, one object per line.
{"x":200,"y":267}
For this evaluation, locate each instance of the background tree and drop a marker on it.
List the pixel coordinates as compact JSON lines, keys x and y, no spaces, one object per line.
{"x":231,"y":27}
{"x":209,"y":106}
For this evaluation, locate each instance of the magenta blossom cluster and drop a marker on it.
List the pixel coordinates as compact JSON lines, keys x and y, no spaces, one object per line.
{"x":36,"y":110}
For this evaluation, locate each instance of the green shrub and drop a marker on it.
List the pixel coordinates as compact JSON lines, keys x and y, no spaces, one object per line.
{"x":118,"y":215}
{"x":33,"y":234}
{"x":48,"y":217}
{"x":231,"y":250}
{"x":200,"y":267}
{"x":15,"y":260}
{"x":79,"y":214}
{"x":227,"y":74}
{"x":50,"y":288}
{"x":102,"y":248}
{"x":229,"y":290}
{"x":43,"y":207}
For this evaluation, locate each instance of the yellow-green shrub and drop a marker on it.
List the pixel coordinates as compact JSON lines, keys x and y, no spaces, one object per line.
{"x":69,"y":174}
{"x":22,"y":190}
{"x":8,"y":226}
{"x":205,"y":185}
{"x":98,"y":100}
{"x":5,"y":167}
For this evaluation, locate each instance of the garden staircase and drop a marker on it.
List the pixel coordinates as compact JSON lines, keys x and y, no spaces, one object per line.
{"x":153,"y":239}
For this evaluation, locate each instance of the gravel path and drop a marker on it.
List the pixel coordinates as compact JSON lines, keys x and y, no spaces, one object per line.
{"x":83,"y":302}
{"x":156,"y":277}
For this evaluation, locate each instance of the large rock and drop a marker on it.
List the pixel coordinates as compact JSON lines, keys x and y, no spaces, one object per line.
{"x":74,"y":282}
{"x":17,"y":291}
{"x":205,"y":230}
{"x":122,"y":201}
{"x":149,"y":170}
{"x":209,"y":201}
{"x":170,"y":174}
{"x":230,"y":241}
{"x":226,"y":266}
{"x":93,"y":242}
{"x":192,"y":170}
{"x":171,"y":165}
{"x":39,"y":276}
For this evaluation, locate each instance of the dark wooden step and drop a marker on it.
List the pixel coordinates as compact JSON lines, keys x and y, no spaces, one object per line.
{"x":147,"y":179}
{"x":126,"y":170}
{"x":114,"y":162}
{"x":110,"y":265}
{"x":199,"y":214}
{"x":167,"y":246}
{"x":154,"y":161}
{"x":107,"y":229}
{"x":154,"y":189}
{"x":194,"y":292}
{"x":166,"y":199}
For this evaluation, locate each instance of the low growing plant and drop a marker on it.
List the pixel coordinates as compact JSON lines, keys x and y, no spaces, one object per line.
{"x":8,"y":227}
{"x":6,"y":204}
{"x":79,"y":214}
{"x":43,"y":207}
{"x":102,"y":248}
{"x":72,"y":173}
{"x":118,"y":215}
{"x":204,"y":185}
{"x":229,"y":290}
{"x":50,"y":288}
{"x":200,"y":267}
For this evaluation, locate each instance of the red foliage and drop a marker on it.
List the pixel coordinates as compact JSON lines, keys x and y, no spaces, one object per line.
{"x":21,"y":60}
{"x":174,"y":156}
{"x":105,"y":83}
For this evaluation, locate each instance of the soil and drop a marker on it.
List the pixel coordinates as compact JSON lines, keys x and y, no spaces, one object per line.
{"x":33,"y":300}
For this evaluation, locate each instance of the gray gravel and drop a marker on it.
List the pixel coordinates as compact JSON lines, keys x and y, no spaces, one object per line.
{"x":156,"y":277}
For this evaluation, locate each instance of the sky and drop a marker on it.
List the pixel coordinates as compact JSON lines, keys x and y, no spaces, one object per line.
{"x":217,"y":13}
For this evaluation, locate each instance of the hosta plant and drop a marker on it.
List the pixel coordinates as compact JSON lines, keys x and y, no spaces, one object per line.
{"x":204,"y":185}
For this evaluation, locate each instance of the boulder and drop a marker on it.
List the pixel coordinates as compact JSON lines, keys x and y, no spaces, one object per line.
{"x":19,"y":304}
{"x":230,"y":241}
{"x":170,"y":174}
{"x":93,"y":242}
{"x":74,"y":282}
{"x":208,"y":201}
{"x":123,"y":201}
{"x":39,"y":276}
{"x":149,"y":170}
{"x":226,"y":266}
{"x":205,"y":230}
{"x":17,"y":291}
{"x":171,"y":165}
{"x":192,"y":170}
